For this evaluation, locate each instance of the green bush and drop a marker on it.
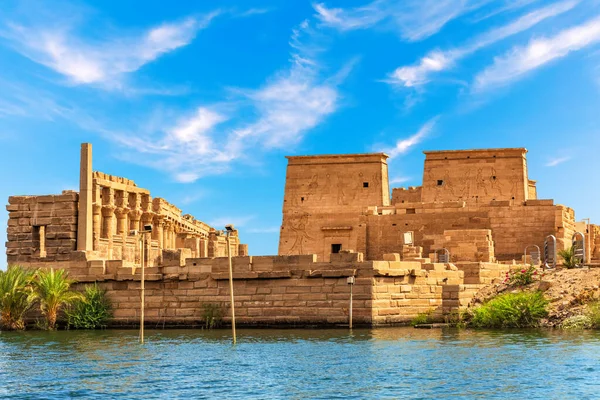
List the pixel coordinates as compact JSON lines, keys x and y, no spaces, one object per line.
{"x":212,"y":315}
{"x":511,"y":310}
{"x":521,"y":277}
{"x":421,"y":319}
{"x":577,"y":322}
{"x":593,"y":313}
{"x":16,"y":296}
{"x":568,"y":256}
{"x":92,"y":311}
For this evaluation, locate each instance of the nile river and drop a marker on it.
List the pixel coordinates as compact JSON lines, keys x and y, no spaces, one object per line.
{"x":367,"y":363}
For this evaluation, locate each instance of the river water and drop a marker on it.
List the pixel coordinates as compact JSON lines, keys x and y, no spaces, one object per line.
{"x":267,"y":364}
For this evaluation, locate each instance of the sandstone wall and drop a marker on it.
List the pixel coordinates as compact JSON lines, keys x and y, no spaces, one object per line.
{"x":41,"y":227}
{"x":513,"y":226}
{"x":324,"y":197}
{"x":404,"y":195}
{"x":275,"y":290}
{"x":475,"y":175}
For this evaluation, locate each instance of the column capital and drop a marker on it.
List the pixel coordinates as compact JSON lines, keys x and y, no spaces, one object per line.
{"x":136,"y":214}
{"x":108,"y":210}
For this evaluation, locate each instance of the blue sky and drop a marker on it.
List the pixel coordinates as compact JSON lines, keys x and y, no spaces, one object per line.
{"x":200,"y":101}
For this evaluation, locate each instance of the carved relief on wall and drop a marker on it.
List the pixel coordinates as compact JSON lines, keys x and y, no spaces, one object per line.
{"x":480,"y":182}
{"x":495,"y":185}
{"x":341,"y":191}
{"x":297,"y":224}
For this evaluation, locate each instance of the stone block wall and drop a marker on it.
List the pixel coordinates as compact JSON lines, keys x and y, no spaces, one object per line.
{"x":470,"y":244}
{"x":276,"y":290}
{"x":324,"y":197}
{"x":513,"y":226}
{"x":475,"y":175}
{"x":41,"y":227}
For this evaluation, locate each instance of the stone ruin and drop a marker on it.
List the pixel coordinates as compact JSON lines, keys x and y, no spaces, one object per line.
{"x":338,"y":221}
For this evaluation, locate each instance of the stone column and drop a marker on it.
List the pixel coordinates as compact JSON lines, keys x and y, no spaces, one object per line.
{"x":84,"y":219}
{"x":97,"y":211}
{"x":122,"y":221}
{"x":108,"y":213}
{"x":159,"y":225}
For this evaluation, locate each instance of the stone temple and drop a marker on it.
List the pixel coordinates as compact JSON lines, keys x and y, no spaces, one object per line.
{"x":478,"y":204}
{"x":421,"y":249}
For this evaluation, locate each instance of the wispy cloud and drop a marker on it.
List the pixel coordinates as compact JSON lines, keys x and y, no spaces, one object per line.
{"x":507,"y":6}
{"x":404,"y":145}
{"x":400,"y":180}
{"x":102,"y":62}
{"x":556,"y":161}
{"x":539,"y":52}
{"x":254,"y":11}
{"x":277,"y":115}
{"x":414,"y":19}
{"x":272,"y":229}
{"x":237,"y":221}
{"x":437,"y":60}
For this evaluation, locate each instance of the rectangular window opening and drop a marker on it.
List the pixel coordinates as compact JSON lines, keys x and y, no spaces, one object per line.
{"x":365,"y":184}
{"x":336,"y":248}
{"x":440,"y":182}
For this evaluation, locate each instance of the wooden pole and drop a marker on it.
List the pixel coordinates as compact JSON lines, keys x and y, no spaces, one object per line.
{"x":350,"y":313}
{"x":142,"y":291}
{"x":231,"y":289}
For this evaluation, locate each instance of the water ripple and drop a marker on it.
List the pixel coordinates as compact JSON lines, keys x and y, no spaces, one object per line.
{"x":380,"y":363}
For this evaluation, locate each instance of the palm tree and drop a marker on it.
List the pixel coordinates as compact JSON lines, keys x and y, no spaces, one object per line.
{"x":16,"y":296}
{"x":569,"y":258}
{"x":52,"y":289}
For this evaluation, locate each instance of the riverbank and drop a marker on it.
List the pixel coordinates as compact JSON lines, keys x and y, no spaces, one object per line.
{"x":569,"y":292}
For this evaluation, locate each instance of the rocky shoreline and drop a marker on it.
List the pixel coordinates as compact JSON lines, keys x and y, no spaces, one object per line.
{"x":569,"y":292}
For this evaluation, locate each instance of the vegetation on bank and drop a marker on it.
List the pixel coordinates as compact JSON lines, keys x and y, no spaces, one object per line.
{"x":49,"y":290}
{"x":511,"y":310}
{"x":92,"y":311}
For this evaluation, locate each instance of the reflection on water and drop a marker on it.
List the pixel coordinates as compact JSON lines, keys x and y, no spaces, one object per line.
{"x":377,"y":363}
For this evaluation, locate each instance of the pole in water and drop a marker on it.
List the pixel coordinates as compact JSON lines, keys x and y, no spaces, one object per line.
{"x":142,"y":289}
{"x":229,"y":229}
{"x":147,"y":231}
{"x":350,"y":282}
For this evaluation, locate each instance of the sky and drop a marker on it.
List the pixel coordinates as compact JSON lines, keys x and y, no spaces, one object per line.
{"x":200,"y":102}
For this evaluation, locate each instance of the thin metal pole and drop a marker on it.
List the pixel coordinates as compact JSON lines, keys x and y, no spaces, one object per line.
{"x":142,"y":291}
{"x":350,"y":322}
{"x":231,"y":289}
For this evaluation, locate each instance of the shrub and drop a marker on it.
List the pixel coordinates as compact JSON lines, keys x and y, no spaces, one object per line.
{"x":421,"y":318}
{"x":521,"y":277}
{"x":511,"y":310}
{"x":577,"y":322}
{"x":52,"y":289}
{"x":568,"y":256}
{"x":16,"y":296}
{"x":92,"y":311}
{"x":212,"y":315}
{"x":593,"y":313}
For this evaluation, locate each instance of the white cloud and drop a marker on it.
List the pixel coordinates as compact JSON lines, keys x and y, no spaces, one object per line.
{"x":404,"y":145}
{"x":436,"y":61}
{"x":272,"y":229}
{"x":254,"y":11}
{"x":509,"y":5}
{"x":85,"y":61}
{"x":539,"y":52}
{"x":187,"y":150}
{"x":400,"y":180}
{"x":414,"y":19}
{"x":556,"y":161}
{"x":277,"y":115}
{"x":236,"y":221}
